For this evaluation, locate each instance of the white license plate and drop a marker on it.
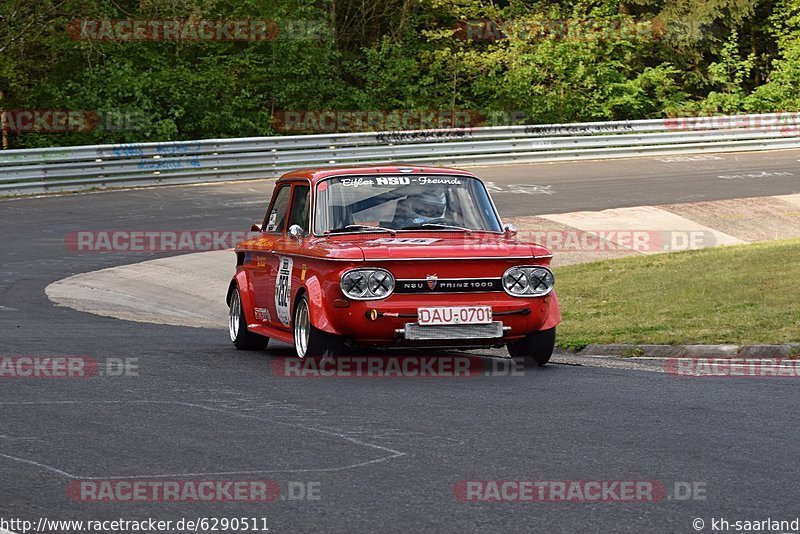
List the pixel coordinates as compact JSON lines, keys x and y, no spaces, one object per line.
{"x":454,"y":315}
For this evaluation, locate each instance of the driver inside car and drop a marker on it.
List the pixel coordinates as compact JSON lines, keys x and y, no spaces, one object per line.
{"x":420,"y":208}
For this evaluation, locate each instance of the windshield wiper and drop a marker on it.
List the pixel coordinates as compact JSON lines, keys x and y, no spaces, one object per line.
{"x":436,"y":225}
{"x":361,"y":228}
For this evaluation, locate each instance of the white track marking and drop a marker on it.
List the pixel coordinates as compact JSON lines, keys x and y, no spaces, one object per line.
{"x":682,"y":159}
{"x":391,"y":452}
{"x":762,"y":174}
{"x":527,"y":189}
{"x":37,"y":464}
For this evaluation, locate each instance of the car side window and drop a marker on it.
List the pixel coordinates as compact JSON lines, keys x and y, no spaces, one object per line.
{"x":298,"y":214}
{"x":275,"y":220}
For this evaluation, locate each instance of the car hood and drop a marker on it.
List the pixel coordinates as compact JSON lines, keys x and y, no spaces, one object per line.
{"x":438,"y":246}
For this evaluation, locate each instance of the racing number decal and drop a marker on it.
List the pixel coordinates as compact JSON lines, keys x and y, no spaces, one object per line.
{"x":283,"y":289}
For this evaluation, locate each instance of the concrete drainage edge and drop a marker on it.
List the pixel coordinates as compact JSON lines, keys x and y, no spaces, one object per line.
{"x":791,"y":350}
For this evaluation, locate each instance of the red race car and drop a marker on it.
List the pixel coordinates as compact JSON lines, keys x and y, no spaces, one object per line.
{"x":390,"y":257}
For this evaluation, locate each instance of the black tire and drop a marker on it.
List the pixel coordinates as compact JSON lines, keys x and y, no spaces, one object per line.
{"x":308,"y":340}
{"x":241,"y":337}
{"x":536,"y":347}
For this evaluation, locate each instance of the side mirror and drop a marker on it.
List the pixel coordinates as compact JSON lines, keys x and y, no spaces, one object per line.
{"x":510,"y":230}
{"x":256,"y":227}
{"x":296,"y":232}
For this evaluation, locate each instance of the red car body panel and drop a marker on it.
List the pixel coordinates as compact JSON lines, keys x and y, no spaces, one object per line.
{"x":275,"y":263}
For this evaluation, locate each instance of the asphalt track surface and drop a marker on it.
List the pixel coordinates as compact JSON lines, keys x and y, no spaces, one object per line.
{"x":382,"y":453}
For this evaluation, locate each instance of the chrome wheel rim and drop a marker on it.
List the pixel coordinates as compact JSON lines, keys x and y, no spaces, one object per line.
{"x":302,"y":329}
{"x":233,"y":315}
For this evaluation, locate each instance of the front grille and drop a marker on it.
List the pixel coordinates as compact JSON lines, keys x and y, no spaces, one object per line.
{"x":456,"y":331}
{"x":449,"y":285}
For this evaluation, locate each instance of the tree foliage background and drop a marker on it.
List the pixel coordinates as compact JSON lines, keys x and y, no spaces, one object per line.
{"x":549,"y":61}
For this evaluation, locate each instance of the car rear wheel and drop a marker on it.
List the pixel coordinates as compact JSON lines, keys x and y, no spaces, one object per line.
{"x":310,"y":341}
{"x":536,"y":347}
{"x":241,"y":337}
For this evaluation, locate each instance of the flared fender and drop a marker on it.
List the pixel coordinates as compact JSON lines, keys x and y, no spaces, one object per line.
{"x":553,"y":313}
{"x":318,"y":307}
{"x":241,"y":280}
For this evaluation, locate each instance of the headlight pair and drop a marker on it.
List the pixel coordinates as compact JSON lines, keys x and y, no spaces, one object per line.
{"x":528,"y":281}
{"x":367,"y":284}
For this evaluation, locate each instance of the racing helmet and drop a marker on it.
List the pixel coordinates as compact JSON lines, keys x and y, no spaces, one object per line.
{"x":427,"y":206}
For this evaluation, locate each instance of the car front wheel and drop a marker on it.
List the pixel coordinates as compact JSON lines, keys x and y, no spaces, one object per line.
{"x":310,"y":341}
{"x":241,"y":337}
{"x":536,"y":347}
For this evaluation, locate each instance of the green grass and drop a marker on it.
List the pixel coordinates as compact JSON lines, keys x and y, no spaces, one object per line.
{"x":745,"y":294}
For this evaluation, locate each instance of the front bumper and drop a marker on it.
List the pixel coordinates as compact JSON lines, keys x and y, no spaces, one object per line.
{"x":393,"y":321}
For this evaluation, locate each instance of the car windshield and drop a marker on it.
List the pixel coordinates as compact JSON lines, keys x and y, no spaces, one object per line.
{"x":406,"y":202}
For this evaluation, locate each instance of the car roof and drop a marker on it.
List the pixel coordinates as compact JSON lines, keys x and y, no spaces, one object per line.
{"x":317,"y":174}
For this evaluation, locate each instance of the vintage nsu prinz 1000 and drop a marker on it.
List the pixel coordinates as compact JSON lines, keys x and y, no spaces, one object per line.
{"x":390,"y":257}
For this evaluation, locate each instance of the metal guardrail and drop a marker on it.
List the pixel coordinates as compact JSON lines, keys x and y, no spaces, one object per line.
{"x":210,"y":160}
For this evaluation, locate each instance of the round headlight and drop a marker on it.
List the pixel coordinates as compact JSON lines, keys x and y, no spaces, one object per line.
{"x":541,"y":281}
{"x":381,"y":283}
{"x":354,"y":284}
{"x":515,"y":281}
